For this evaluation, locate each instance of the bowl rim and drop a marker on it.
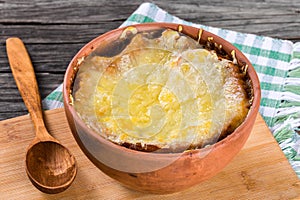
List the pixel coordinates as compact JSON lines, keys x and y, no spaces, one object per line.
{"x":90,"y":46}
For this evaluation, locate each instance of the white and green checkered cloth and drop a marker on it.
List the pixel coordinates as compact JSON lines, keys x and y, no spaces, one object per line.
{"x":277,"y":63}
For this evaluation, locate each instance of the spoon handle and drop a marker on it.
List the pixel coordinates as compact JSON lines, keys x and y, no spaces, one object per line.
{"x":24,"y":76}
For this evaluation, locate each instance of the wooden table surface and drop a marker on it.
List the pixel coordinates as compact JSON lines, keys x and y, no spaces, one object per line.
{"x":54,"y":31}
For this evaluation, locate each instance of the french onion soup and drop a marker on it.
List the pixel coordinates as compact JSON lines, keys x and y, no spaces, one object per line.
{"x":161,"y":91}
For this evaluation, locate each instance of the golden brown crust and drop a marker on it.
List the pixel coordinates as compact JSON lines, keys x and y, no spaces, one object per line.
{"x":236,"y":82}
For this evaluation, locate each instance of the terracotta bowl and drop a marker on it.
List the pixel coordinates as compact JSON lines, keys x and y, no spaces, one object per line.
{"x":158,"y":172}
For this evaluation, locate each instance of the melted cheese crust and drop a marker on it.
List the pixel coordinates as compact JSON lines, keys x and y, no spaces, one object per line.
{"x":168,"y":93}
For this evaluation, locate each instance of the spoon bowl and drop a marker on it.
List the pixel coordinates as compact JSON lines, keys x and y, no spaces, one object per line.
{"x":49,"y":165}
{"x":43,"y":170}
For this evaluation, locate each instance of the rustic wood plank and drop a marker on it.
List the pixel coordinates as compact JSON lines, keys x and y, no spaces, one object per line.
{"x":53,"y":31}
{"x":252,"y":16}
{"x":46,"y":58}
{"x":56,"y":33}
{"x":11,"y":103}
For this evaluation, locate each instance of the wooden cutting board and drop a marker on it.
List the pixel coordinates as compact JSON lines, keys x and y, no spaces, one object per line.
{"x":259,"y":171}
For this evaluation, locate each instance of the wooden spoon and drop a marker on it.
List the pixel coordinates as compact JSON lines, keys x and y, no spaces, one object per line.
{"x":49,"y":165}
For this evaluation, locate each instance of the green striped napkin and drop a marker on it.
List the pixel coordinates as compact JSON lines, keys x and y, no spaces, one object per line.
{"x":277,"y":63}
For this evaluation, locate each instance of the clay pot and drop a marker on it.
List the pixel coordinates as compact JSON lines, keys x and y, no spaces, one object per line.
{"x":158,"y":172}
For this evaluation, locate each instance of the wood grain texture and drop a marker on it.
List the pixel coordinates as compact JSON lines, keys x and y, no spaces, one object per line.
{"x":260,"y":170}
{"x":54,"y":31}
